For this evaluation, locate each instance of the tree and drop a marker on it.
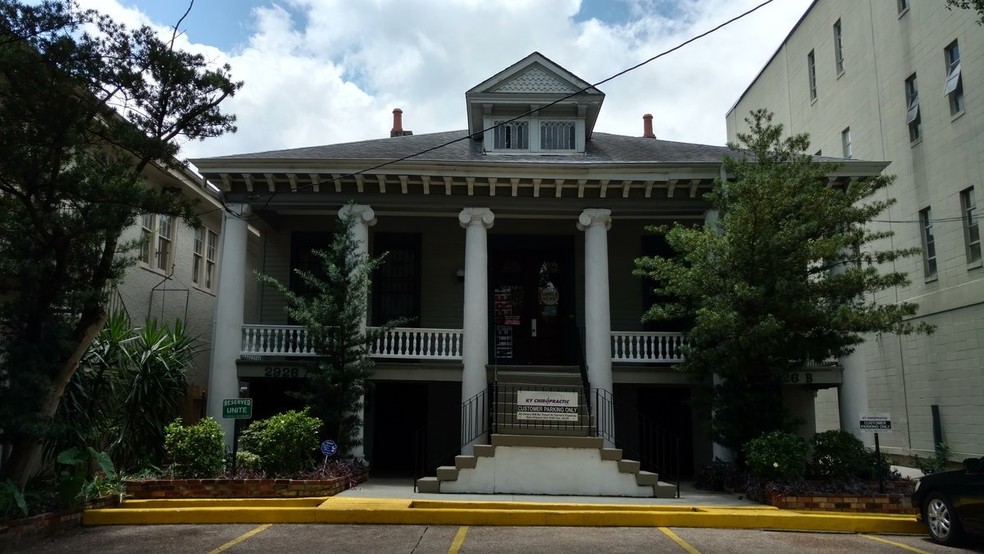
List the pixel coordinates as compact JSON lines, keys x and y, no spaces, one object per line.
{"x":786,"y":275}
{"x":332,"y":306}
{"x":86,"y":106}
{"x":976,"y":5}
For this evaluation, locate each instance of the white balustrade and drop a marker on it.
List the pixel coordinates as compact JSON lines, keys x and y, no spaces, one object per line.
{"x":645,"y":348}
{"x":399,"y":343}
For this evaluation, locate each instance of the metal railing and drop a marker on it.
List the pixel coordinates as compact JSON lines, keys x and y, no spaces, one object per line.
{"x":657,"y":449}
{"x":475,"y":422}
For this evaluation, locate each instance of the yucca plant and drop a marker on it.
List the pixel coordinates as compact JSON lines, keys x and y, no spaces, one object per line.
{"x":129,"y":386}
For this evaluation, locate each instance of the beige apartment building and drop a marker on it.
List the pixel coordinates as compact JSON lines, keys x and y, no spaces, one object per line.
{"x":900,"y":81}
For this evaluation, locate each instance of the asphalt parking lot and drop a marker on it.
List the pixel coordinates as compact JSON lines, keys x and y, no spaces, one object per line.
{"x":285,"y":538}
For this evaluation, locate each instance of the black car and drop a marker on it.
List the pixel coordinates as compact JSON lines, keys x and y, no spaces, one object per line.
{"x":951,"y":503}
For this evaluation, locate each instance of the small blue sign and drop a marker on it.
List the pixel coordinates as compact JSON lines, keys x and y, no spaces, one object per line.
{"x":328,"y":448}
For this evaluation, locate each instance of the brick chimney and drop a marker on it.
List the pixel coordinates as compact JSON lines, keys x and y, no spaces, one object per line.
{"x":397,"y":130}
{"x":647,"y":126}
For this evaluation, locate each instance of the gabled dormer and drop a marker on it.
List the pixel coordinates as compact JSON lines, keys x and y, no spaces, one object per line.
{"x":527,"y":90}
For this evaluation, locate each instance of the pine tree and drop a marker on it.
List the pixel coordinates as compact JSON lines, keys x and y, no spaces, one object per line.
{"x":785,"y":276}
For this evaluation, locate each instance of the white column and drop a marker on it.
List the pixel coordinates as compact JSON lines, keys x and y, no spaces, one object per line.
{"x":718,"y":451}
{"x":223,"y":378}
{"x":597,"y":315}
{"x":475,"y":346}
{"x":363,"y":218}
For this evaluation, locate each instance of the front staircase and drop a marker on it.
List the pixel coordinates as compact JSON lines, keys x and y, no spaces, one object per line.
{"x":530,"y":455}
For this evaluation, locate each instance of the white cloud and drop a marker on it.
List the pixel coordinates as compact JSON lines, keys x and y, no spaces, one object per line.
{"x":335,"y":74}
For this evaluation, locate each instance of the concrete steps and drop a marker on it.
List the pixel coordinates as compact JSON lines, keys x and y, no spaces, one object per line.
{"x":546,"y":464}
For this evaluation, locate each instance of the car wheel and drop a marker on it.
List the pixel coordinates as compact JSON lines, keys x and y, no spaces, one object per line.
{"x":941,"y":520}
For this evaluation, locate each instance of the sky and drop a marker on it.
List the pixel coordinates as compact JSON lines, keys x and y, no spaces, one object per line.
{"x":330,"y":71}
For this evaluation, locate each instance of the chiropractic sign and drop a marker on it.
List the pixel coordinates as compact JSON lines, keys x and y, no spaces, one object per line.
{"x":546,"y":406}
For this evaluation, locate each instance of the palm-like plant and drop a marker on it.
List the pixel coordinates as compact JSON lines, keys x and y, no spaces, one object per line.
{"x":128,"y":387}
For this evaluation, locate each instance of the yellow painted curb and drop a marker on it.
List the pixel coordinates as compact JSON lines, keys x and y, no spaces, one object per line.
{"x":418,"y":512}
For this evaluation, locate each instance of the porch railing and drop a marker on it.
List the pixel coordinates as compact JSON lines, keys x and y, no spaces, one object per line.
{"x":646,"y":347}
{"x":400,"y":343}
{"x":408,"y":343}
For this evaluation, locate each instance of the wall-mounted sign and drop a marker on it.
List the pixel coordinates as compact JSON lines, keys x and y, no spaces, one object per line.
{"x":532,"y":405}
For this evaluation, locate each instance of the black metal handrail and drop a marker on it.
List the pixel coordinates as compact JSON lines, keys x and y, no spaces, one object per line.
{"x":474,"y":415}
{"x":657,"y":450}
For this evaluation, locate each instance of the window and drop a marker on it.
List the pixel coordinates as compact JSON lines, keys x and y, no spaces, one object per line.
{"x":157,"y":240}
{"x":514,"y":135}
{"x":557,"y":135}
{"x":972,"y":231}
{"x":903,"y":6}
{"x":838,"y":47}
{"x":203,"y":266}
{"x":954,"y":85}
{"x":912,"y":117}
{"x":928,"y":242}
{"x":846,"y":143}
{"x":535,"y":133}
{"x":396,"y":283}
{"x":811,"y":70}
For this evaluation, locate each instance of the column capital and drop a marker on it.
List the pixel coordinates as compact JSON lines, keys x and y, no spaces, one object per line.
{"x":594,"y":216}
{"x":361,"y":213}
{"x":476,"y":216}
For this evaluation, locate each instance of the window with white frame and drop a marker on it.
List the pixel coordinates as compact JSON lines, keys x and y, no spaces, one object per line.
{"x":928,"y":242}
{"x":157,"y":240}
{"x":953,"y":89}
{"x":839,"y":47}
{"x":534,"y":134}
{"x":972,"y":231}
{"x":512,"y":135}
{"x":203,"y":266}
{"x":912,"y":117}
{"x":811,"y":70}
{"x":846,"y":147}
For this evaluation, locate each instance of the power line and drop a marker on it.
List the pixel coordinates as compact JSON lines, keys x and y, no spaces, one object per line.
{"x":273,"y":194}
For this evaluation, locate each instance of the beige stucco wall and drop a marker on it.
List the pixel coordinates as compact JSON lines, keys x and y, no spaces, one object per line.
{"x":905,"y":376}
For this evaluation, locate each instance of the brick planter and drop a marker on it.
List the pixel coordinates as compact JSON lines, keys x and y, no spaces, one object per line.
{"x":240,"y":488}
{"x":31,"y":529}
{"x":896,"y":500}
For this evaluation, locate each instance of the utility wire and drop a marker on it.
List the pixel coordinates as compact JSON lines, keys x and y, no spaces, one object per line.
{"x":273,"y":194}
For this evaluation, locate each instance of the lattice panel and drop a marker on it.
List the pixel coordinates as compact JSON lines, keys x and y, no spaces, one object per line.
{"x":535,"y":79}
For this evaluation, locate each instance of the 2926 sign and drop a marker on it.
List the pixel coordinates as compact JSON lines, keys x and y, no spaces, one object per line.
{"x":283,"y":372}
{"x":798,"y":377}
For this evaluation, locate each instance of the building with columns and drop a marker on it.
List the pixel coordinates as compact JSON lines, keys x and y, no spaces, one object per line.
{"x":904,"y":82}
{"x":511,"y":247}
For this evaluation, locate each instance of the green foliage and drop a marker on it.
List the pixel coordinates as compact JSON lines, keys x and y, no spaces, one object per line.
{"x":129,"y":386}
{"x":12,"y":501}
{"x":333,"y":311}
{"x":783,"y":276}
{"x":938,"y":462}
{"x":87,"y":106}
{"x":840,"y":456}
{"x":196,"y":451}
{"x":285,"y":443}
{"x":87,"y":474}
{"x":720,"y":476}
{"x":777,"y":456}
{"x":976,"y":5}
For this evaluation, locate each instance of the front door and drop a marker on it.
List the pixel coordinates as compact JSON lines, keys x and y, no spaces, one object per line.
{"x":532,"y":289}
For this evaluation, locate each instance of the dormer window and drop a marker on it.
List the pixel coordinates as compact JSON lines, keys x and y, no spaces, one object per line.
{"x":556,"y":135}
{"x":533,"y":107}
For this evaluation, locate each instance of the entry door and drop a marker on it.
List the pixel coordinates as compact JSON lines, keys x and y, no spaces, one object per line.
{"x":532,"y":300}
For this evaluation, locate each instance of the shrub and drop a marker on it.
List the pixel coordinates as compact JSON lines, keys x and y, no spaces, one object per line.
{"x":196,"y":451}
{"x":720,"y":476}
{"x":840,"y":456}
{"x":284,"y":443}
{"x":938,"y":462}
{"x":777,"y":455}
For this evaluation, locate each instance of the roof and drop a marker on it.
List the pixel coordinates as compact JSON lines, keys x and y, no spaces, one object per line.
{"x":455,"y":146}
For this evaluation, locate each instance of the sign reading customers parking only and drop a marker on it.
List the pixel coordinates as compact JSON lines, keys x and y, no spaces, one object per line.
{"x":876,"y":423}
{"x":546,"y":406}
